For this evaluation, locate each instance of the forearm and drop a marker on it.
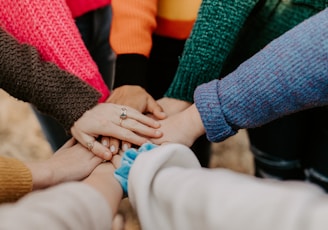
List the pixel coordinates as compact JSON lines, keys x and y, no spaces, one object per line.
{"x":49,"y":27}
{"x":165,"y":196}
{"x":109,"y":188}
{"x":52,"y":90}
{"x":287,"y":76}
{"x":212,"y":38}
{"x":68,"y":206}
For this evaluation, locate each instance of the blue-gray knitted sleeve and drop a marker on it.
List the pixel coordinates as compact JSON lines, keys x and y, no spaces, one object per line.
{"x":288,"y":75}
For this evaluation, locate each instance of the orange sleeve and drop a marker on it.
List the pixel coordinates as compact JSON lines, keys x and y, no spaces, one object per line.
{"x":132,"y":26}
{"x":15,"y":179}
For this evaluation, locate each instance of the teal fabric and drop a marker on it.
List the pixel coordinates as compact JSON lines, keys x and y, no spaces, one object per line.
{"x":288,"y":75}
{"x":129,"y":156}
{"x":226,"y":33}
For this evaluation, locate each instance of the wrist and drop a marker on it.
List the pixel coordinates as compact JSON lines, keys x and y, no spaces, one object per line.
{"x":42,"y":176}
{"x":196,"y":121}
{"x":107,"y":186}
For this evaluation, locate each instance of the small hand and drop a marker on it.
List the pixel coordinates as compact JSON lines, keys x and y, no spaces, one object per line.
{"x":71,"y":162}
{"x":172,"y":106}
{"x":136,"y":97}
{"x":184,"y":127}
{"x":105,"y":120}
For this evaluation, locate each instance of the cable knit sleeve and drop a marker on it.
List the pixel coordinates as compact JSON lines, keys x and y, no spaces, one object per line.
{"x":288,"y":75}
{"x":48,"y":25}
{"x":15,"y":179}
{"x":53,"y":91}
{"x":207,"y":49}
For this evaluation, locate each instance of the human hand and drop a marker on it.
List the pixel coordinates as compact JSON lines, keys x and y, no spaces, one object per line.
{"x":172,"y":106}
{"x":184,"y":127}
{"x":104,"y":120}
{"x":136,"y":97}
{"x":71,"y":162}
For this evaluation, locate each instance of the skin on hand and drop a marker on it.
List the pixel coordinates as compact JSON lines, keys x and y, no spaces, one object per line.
{"x":135,"y":97}
{"x":71,"y":162}
{"x":172,"y":106}
{"x":184,"y":127}
{"x":104,"y":120}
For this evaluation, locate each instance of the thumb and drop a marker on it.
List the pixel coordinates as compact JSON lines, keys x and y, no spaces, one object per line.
{"x":154,"y":108}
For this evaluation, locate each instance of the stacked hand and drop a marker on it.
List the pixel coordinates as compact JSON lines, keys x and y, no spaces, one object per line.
{"x":111,"y":120}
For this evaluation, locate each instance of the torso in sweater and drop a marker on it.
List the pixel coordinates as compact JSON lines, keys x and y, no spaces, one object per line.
{"x":176,"y":18}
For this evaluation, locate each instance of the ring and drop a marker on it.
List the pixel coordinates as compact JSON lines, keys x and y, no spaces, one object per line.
{"x":123,"y":113}
{"x":90,"y":145}
{"x":121,"y":122}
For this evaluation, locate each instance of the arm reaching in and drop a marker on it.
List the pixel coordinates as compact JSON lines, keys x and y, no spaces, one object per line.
{"x":105,"y":119}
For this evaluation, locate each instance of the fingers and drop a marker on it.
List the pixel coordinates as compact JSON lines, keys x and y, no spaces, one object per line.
{"x":68,"y":143}
{"x":155,"y":109}
{"x":92,"y":144}
{"x":113,"y":145}
{"x":139,"y":128}
{"x":116,"y":160}
{"x":136,"y":115}
{"x":125,"y":145}
{"x":99,"y":150}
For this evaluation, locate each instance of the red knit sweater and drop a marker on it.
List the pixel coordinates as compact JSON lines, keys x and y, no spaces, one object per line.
{"x":79,"y":7}
{"x":48,"y":25}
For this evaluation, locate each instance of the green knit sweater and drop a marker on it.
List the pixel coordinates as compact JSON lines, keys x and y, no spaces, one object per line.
{"x":228,"y":32}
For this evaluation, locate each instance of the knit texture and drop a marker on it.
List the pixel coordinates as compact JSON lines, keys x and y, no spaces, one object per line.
{"x":289,"y":75}
{"x":132,"y":35}
{"x":15,"y":179}
{"x":53,"y":91}
{"x":48,"y":25}
{"x":80,"y":7}
{"x":223,"y":25}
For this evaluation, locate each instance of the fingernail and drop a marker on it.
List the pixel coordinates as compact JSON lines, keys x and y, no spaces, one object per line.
{"x":125,"y":147}
{"x":158,"y":133}
{"x":112,"y":148}
{"x":105,"y":142}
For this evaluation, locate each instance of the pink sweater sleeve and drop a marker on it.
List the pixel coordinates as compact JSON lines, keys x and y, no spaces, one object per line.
{"x":48,"y":25}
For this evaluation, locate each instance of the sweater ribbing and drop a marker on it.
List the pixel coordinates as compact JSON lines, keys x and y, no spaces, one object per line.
{"x":48,"y":26}
{"x":15,"y":179}
{"x":289,"y":75}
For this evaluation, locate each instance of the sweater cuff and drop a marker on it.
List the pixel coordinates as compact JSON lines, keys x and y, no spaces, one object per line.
{"x":131,"y":69}
{"x":15,"y":179}
{"x":209,"y":106}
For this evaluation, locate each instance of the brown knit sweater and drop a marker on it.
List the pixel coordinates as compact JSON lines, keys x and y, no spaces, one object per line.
{"x":51,"y":90}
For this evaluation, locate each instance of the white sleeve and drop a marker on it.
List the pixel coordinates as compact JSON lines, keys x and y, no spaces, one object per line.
{"x":170,"y":190}
{"x":73,"y":205}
